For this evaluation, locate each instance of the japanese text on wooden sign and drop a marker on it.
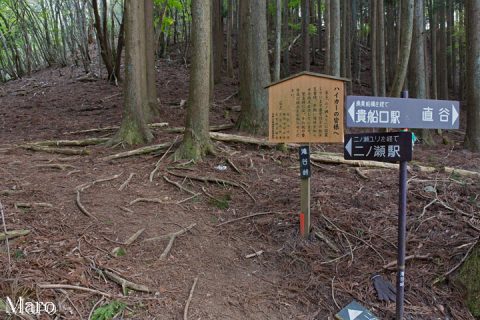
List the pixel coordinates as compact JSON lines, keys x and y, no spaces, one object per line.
{"x":385,"y":112}
{"x":306,"y":108}
{"x":304,"y":153}
{"x":384,"y":147}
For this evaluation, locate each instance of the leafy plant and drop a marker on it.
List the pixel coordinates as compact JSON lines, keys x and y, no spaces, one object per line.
{"x":109,"y":310}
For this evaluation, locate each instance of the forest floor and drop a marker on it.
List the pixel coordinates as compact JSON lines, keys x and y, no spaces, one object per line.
{"x":287,"y":278}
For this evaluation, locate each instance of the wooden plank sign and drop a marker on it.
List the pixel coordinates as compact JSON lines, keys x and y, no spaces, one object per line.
{"x":307,"y":108}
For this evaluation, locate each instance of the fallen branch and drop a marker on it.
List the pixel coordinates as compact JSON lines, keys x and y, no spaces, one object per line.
{"x":187,"y":304}
{"x":67,"y":286}
{"x":410,"y":257}
{"x":65,"y":151}
{"x":459,"y":264}
{"x":157,"y":165}
{"x":134,"y":237}
{"x":71,"y":143}
{"x":230,"y":162}
{"x":7,"y":235}
{"x":125,"y":184}
{"x":213,"y":180}
{"x":172,"y":237}
{"x":139,"y":151}
{"x":125,"y":284}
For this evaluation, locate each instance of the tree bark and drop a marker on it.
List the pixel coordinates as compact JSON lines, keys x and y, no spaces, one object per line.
{"x":151,"y":71}
{"x":406,"y":30}
{"x":196,"y":140}
{"x":442,"y":66}
{"x":278,"y":40}
{"x":373,"y":46}
{"x":335,"y":37}
{"x":134,"y":129}
{"x":305,"y":35}
{"x":381,"y":48}
{"x":254,"y":66}
{"x":472,"y":137}
{"x":218,"y":40}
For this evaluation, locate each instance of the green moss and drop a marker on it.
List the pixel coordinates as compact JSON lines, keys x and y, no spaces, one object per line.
{"x":469,"y":276}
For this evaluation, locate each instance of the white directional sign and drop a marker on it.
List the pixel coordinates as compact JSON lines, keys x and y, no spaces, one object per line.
{"x":355,"y":311}
{"x":385,"y":112}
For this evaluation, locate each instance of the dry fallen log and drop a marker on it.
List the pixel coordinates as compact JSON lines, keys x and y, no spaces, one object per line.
{"x":66,"y":151}
{"x":13,"y":234}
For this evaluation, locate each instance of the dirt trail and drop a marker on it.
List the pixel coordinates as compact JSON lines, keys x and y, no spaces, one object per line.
{"x":290,"y":279}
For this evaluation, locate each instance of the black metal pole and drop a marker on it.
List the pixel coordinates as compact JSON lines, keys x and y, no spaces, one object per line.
{"x":402,"y":235}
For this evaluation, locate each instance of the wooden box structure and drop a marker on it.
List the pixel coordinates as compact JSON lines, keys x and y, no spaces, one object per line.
{"x":307,"y":108}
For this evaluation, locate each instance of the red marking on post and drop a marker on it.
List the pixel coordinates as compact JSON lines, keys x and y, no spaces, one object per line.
{"x":302,"y":224}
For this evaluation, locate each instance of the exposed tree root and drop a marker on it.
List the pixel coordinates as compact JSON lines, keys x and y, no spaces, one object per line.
{"x":139,"y":151}
{"x":410,"y":257}
{"x":125,"y":184}
{"x":125,"y":284}
{"x":81,"y":207}
{"x":33,"y":205}
{"x":67,"y":286}
{"x":190,"y":296}
{"x":213,"y":180}
{"x":153,"y":200}
{"x":134,"y":237}
{"x":13,"y":234}
{"x":71,"y":143}
{"x":171,"y":237}
{"x":59,"y":166}
{"x":178,"y":185}
{"x":65,"y":151}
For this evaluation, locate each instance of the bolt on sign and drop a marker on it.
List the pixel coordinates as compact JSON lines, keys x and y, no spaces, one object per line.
{"x":307,"y":108}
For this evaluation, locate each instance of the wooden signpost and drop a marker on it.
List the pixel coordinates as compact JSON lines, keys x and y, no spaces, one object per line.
{"x":306,"y":108}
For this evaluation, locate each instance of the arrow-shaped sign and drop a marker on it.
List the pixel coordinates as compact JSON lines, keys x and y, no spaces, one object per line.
{"x":348,"y":147}
{"x":454,"y":114}
{"x":351,"y":111}
{"x":353,"y":314}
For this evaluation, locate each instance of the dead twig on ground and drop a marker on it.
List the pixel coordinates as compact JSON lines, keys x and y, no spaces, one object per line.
{"x":125,"y":284}
{"x":153,"y":200}
{"x":323,"y":237}
{"x":190,"y":296}
{"x":95,"y":307}
{"x":459,"y":264}
{"x":361,"y":174}
{"x":6,"y":235}
{"x":171,"y":236}
{"x":10,"y":192}
{"x":213,"y":180}
{"x":253,"y":255}
{"x":125,"y":184}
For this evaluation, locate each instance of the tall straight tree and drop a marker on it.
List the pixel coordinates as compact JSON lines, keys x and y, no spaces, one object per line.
{"x":381,"y":48}
{"x":134,"y":129}
{"x":278,"y":40}
{"x":152,"y":109}
{"x":472,"y":137}
{"x":442,"y":65}
{"x":335,"y":21}
{"x":196,"y":139}
{"x":417,"y":74}
{"x":218,"y":40}
{"x":254,"y":66}
{"x":305,"y":35}
{"x":374,"y":43}
{"x":406,"y":31}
